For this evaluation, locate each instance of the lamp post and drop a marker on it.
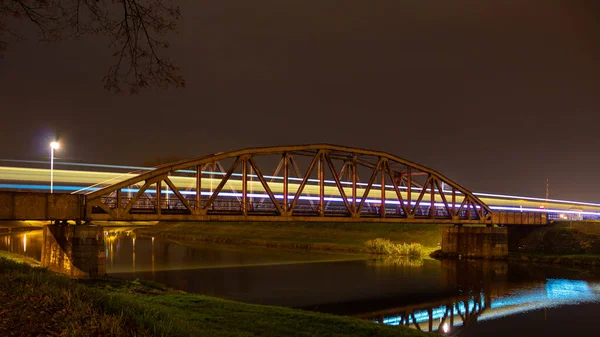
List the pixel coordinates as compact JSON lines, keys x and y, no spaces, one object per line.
{"x":53,"y":146}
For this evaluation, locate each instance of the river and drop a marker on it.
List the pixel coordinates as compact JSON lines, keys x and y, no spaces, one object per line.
{"x":460,"y":298}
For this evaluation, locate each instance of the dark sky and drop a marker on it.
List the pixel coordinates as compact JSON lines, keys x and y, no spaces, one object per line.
{"x":496,"y":95}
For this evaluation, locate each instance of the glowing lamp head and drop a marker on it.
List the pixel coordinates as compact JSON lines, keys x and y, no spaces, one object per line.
{"x":54,"y":145}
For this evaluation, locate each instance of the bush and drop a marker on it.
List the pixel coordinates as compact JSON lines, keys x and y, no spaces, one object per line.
{"x":385,"y":246}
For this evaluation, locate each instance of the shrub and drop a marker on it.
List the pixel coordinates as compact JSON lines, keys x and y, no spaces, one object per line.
{"x":385,"y":246}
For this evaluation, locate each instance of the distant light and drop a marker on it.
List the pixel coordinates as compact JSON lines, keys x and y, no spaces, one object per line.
{"x":55,"y":145}
{"x":445,"y":327}
{"x":542,"y":206}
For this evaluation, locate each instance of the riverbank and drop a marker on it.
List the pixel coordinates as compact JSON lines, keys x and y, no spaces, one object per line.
{"x":8,"y":226}
{"x":562,"y":242}
{"x":558,"y":259}
{"x":562,"y":259}
{"x":39,"y":302}
{"x":345,"y":237}
{"x":558,"y":238}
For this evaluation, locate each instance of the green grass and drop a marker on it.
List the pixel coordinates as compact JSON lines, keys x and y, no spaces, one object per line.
{"x":566,"y":259}
{"x":19,"y":258}
{"x":309,"y":235}
{"x":36,"y":301}
{"x":559,"y":238}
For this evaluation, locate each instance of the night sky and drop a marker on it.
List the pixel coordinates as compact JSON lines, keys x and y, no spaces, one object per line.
{"x":496,"y":95}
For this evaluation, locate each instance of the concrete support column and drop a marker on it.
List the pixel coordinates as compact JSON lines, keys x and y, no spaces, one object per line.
{"x":76,"y":251}
{"x":475,"y":242}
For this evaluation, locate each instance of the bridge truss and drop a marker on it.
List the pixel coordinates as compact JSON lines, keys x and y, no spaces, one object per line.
{"x":309,"y":183}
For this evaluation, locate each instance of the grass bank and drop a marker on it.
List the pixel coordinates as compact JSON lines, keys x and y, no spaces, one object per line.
{"x":558,"y":238}
{"x":349,"y":237}
{"x":562,"y":259}
{"x":38,"y":302}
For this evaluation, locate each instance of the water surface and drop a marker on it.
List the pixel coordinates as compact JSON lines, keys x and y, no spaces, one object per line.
{"x":464,"y":298}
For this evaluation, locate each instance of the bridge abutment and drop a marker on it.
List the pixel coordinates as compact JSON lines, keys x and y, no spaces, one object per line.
{"x":76,"y":251}
{"x":475,"y":242}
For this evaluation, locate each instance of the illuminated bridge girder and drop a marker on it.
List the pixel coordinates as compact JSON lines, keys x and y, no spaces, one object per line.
{"x":309,"y":183}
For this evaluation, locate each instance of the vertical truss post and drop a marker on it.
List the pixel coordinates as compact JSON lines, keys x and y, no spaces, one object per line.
{"x":468,"y":209}
{"x":453,"y":202}
{"x":198,"y":187}
{"x":158,"y":197}
{"x":321,"y":174}
{"x":251,"y":199}
{"x":118,"y":199}
{"x":285,"y":182}
{"x":382,"y":208}
{"x":432,"y":207}
{"x":245,"y":186}
{"x":213,"y":167}
{"x":410,"y":213}
{"x":354,"y":179}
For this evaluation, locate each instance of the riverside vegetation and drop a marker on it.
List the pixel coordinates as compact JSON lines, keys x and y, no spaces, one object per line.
{"x":385,"y":246}
{"x":563,"y":242}
{"x":38,"y":302}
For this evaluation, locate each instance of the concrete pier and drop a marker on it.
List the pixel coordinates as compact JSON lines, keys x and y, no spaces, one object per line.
{"x":475,"y":242}
{"x":76,"y":251}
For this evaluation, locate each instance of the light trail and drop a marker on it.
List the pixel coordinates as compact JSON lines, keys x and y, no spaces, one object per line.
{"x":142,"y":168}
{"x":81,"y":180}
{"x":292,"y":196}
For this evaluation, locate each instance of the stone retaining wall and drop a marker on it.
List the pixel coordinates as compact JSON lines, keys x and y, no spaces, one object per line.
{"x":475,"y":242}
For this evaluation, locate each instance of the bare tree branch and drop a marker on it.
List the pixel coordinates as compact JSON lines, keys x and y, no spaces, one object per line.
{"x":136,"y":30}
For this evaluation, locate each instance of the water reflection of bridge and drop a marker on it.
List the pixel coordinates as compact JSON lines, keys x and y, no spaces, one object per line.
{"x":450,"y":316}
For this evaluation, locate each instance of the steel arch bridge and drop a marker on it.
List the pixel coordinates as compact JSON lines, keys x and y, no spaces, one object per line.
{"x":317,"y":182}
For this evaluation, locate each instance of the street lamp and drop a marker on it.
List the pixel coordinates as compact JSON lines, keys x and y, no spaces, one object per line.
{"x":53,"y":146}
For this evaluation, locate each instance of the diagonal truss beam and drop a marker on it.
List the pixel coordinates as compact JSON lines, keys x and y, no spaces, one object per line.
{"x":369,"y":185}
{"x":396,"y":189}
{"x":140,"y":192}
{"x":217,"y":190}
{"x":443,"y":196}
{"x":178,"y":194}
{"x":422,"y":194}
{"x":309,"y":170}
{"x":339,"y":185}
{"x":265,"y":185}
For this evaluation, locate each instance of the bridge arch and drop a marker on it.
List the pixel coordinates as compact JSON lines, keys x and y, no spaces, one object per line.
{"x":318,"y":182}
